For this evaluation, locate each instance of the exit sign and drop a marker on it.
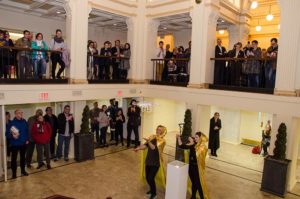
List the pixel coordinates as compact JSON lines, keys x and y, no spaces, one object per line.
{"x":44,"y":96}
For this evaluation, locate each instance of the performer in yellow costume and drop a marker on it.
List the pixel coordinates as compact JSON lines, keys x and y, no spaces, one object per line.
{"x":197,"y":154}
{"x":152,"y":165}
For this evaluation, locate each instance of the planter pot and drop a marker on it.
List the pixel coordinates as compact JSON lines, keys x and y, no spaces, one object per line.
{"x":274,"y":178}
{"x":84,"y":146}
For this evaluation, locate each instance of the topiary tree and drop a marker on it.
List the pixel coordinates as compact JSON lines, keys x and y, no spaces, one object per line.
{"x":187,"y":127}
{"x":280,"y":143}
{"x":186,"y":133}
{"x":84,"y":127}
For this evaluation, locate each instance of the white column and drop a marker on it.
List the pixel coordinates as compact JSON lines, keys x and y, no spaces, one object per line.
{"x":287,"y":74}
{"x":204,"y":23}
{"x":77,"y":36}
{"x":292,"y":145}
{"x":238,"y":33}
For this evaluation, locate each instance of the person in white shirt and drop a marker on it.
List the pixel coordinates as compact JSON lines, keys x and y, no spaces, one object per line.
{"x":161,"y":53}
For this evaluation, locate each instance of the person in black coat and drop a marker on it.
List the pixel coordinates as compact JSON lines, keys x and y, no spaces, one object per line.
{"x":168,"y":55}
{"x":120,"y":120}
{"x":104,"y":62}
{"x":235,"y":67}
{"x":134,"y":121}
{"x":220,"y":65}
{"x":214,"y":134}
{"x":116,"y":51}
{"x":52,"y":120}
{"x":65,"y":131}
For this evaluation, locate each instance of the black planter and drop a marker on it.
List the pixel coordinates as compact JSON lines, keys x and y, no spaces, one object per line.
{"x":274,"y":178}
{"x":84,"y":146}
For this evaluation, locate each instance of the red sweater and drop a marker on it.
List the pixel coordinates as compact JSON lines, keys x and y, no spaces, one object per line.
{"x":41,"y":132}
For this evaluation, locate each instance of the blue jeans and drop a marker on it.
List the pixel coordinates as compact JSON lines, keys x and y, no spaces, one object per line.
{"x":39,"y":67}
{"x":66,"y":141}
{"x":253,"y":80}
{"x":270,"y":75}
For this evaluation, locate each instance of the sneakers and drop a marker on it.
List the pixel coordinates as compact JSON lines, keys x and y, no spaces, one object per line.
{"x":148,"y":194}
{"x":56,"y":159}
{"x":153,"y":197}
{"x":40,"y":166}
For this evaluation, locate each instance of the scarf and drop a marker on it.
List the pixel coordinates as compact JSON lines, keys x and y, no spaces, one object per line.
{"x":58,"y":40}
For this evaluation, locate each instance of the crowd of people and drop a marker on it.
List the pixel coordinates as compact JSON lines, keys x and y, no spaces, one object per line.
{"x":41,"y":131}
{"x":30,"y":58}
{"x":112,"y":62}
{"x":172,"y":66}
{"x":258,"y":70}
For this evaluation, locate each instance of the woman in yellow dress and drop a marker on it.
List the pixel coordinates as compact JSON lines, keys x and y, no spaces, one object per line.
{"x":152,"y":160}
{"x":197,"y":154}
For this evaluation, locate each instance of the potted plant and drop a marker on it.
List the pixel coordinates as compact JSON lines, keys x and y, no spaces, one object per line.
{"x":186,"y":133}
{"x":84,"y":140}
{"x":274,"y":178}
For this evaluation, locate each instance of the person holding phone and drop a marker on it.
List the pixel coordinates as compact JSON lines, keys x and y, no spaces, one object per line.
{"x":65,"y":131}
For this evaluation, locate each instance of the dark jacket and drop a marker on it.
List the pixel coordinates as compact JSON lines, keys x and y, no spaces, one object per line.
{"x":54,"y":126}
{"x":134,"y":117}
{"x":102,"y":61}
{"x":218,"y":53}
{"x":62,"y":124}
{"x":22,"y":127}
{"x":113,"y":51}
{"x":214,"y":134}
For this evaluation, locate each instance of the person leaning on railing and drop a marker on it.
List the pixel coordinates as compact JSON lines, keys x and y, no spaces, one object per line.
{"x":11,"y":56}
{"x":270,"y":68}
{"x":126,"y":62}
{"x":39,"y":57}
{"x":235,"y":66}
{"x":253,"y":65}
{"x":23,"y":56}
{"x":3,"y":55}
{"x":104,"y":63}
{"x":57,"y":44}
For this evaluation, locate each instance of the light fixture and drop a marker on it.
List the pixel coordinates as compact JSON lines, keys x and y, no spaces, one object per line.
{"x":114,"y":24}
{"x":221,"y":32}
{"x":165,"y":28}
{"x":222,"y":21}
{"x":278,"y":26}
{"x":58,"y":12}
{"x":270,"y":17}
{"x":258,"y":27}
{"x":254,"y":4}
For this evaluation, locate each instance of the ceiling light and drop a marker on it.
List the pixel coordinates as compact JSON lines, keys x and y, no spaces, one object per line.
{"x":58,"y":12}
{"x":114,"y":24}
{"x":221,"y":32}
{"x":165,"y":28}
{"x":222,"y":21}
{"x":254,"y":4}
{"x":278,"y":26}
{"x":270,"y":17}
{"x":258,"y":28}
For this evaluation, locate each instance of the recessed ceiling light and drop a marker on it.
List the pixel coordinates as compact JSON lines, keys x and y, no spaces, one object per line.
{"x":254,"y":4}
{"x":258,"y":28}
{"x":165,"y":28}
{"x":221,"y":32}
{"x":58,"y":12}
{"x":114,"y":24}
{"x":222,"y":21}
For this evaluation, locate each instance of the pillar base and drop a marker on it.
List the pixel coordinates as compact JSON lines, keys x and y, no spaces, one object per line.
{"x":78,"y":81}
{"x":138,"y":81}
{"x":199,"y":86}
{"x":286,"y":93}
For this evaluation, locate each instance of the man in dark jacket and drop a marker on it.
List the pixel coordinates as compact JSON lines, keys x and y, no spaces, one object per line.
{"x":220,"y":65}
{"x":214,"y":134}
{"x":134,"y":121}
{"x":52,"y":120}
{"x":17,"y":133}
{"x":65,"y":131}
{"x":31,"y":145}
{"x":116,"y":51}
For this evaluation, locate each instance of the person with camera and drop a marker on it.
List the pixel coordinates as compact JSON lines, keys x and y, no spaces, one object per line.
{"x":17,"y":134}
{"x":41,"y":133}
{"x":134,"y":121}
{"x":65,"y":131}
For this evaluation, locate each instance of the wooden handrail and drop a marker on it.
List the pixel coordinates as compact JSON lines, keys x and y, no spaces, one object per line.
{"x":243,"y":59}
{"x":175,"y":59}
{"x":112,"y":57}
{"x":28,"y":49}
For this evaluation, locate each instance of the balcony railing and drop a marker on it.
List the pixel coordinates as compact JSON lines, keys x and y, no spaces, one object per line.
{"x":245,"y":74}
{"x":173,"y":72}
{"x":26,"y":65}
{"x":107,"y":69}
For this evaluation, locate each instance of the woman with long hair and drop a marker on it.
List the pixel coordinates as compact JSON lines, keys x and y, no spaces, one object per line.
{"x":197,"y":154}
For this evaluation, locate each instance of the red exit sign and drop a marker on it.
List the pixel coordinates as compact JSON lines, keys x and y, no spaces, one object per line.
{"x":44,"y":96}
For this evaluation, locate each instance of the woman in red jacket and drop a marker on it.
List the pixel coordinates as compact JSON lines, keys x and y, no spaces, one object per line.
{"x":41,"y":134}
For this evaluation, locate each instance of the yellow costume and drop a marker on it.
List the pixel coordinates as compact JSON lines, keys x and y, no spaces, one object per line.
{"x":160,"y":177}
{"x":201,"y":152}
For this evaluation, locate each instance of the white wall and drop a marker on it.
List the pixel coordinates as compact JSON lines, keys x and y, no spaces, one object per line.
{"x":19,"y":21}
{"x":182,"y":38}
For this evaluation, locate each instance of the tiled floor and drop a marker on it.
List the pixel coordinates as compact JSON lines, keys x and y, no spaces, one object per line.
{"x":116,"y":174}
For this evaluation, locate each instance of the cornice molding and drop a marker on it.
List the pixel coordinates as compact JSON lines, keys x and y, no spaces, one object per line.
{"x":167,"y":2}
